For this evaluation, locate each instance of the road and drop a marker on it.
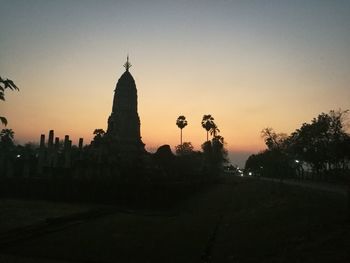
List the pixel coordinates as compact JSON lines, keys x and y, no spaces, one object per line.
{"x":238,"y":220}
{"x":323,"y":186}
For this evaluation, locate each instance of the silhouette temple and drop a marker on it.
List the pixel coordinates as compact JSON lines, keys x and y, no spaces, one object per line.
{"x":124,"y":123}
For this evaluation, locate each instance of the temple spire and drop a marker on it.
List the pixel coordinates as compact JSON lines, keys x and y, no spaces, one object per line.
{"x":127,"y":64}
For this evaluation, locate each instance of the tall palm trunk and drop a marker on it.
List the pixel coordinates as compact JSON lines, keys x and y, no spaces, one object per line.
{"x":181,"y":137}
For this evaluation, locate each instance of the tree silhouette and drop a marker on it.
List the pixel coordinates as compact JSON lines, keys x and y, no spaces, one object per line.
{"x":215,"y":155}
{"x":6,"y":137}
{"x":184,"y":148}
{"x":219,"y":151}
{"x":322,"y":145}
{"x":181,"y":122}
{"x":272,"y":139}
{"x":214,"y":130}
{"x":99,"y":133}
{"x":7,"y":133}
{"x":5,"y":84}
{"x":208,"y":124}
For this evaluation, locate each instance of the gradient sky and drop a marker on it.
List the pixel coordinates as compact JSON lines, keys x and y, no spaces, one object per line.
{"x":250,"y":64}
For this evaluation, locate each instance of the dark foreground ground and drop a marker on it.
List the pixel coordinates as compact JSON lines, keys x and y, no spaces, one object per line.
{"x":237,"y":220}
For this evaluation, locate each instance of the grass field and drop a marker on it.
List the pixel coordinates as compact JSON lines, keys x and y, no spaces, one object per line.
{"x":237,"y":220}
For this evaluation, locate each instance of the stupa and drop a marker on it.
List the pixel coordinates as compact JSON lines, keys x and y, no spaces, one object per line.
{"x":124,"y":122}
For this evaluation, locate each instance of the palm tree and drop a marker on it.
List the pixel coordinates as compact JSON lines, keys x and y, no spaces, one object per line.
{"x":208,"y":123}
{"x":214,"y":130}
{"x":218,"y":139}
{"x":181,"y":122}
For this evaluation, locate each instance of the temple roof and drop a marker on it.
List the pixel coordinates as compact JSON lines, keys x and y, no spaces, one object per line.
{"x":126,"y":78}
{"x":127,"y":64}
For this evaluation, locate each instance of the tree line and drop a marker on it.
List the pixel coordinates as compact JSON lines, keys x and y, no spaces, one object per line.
{"x":317,"y":150}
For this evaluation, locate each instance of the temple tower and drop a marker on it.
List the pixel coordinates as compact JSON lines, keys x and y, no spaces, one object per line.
{"x":124,"y":122}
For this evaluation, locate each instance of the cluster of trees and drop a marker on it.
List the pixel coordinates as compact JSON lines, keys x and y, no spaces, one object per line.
{"x":213,"y":154}
{"x":320,"y":149}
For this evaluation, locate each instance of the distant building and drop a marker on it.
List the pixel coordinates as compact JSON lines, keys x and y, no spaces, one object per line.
{"x":123,"y":130}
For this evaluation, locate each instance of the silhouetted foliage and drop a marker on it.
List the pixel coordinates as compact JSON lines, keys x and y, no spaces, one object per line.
{"x":214,"y":130}
{"x":269,"y":163}
{"x":99,"y":134}
{"x":184,"y":148}
{"x":215,"y":154}
{"x":273,"y":140}
{"x":189,"y":165}
{"x":322,"y":143}
{"x":322,"y":146}
{"x":7,"y":151}
{"x":181,"y":122}
{"x":6,"y":138}
{"x":208,"y":124}
{"x":219,"y":151}
{"x":5,"y":84}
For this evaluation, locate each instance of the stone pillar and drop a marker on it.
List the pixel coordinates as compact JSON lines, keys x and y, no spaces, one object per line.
{"x":80,"y":148}
{"x":56,"y":149}
{"x":81,"y":143}
{"x":50,"y":140}
{"x":57,"y":143}
{"x":66,"y":140}
{"x":67,"y":152}
{"x":41,"y":157}
{"x":50,"y":150}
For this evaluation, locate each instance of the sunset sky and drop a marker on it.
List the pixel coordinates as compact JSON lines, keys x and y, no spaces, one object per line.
{"x":250,"y":64}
